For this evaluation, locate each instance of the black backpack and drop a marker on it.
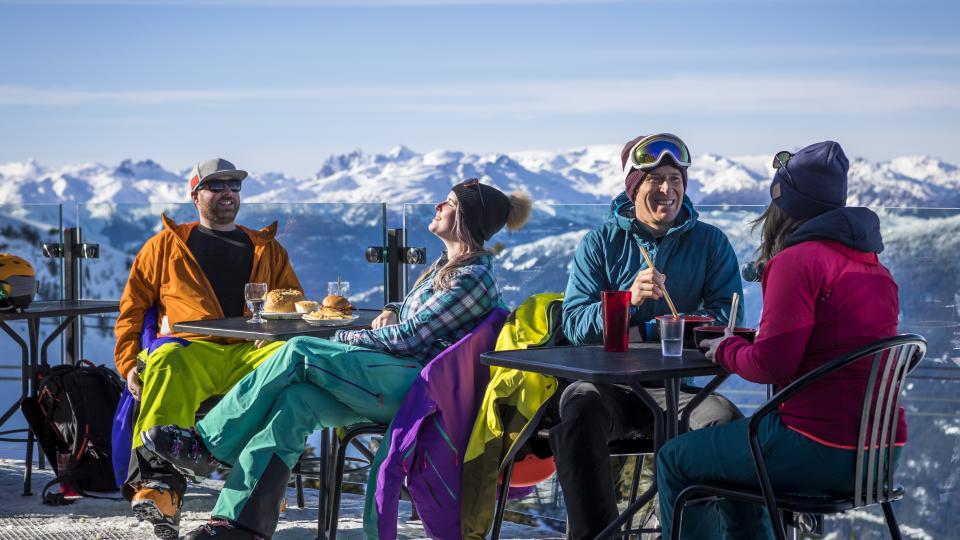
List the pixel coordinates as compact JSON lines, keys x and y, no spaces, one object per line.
{"x":72,"y":418}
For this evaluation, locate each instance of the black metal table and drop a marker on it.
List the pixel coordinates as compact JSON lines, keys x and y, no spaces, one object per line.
{"x":641,"y":363}
{"x":271,"y":330}
{"x":278,"y":329}
{"x":33,"y":355}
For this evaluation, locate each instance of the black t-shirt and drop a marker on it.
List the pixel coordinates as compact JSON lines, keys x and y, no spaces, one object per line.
{"x":227,"y":260}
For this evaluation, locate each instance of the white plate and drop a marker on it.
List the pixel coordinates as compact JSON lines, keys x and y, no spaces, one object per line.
{"x":272,"y":316}
{"x":332,"y":322}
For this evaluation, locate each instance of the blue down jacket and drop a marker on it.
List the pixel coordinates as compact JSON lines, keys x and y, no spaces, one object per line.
{"x":697,"y":259}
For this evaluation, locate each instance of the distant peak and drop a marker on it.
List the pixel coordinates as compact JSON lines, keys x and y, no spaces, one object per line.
{"x":400,"y":152}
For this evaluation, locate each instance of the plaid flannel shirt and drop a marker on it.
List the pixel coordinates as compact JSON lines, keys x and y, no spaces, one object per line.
{"x":431,"y":320}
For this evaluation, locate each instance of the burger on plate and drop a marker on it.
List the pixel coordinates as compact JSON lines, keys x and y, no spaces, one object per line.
{"x":333,"y":307}
{"x":335,"y":302}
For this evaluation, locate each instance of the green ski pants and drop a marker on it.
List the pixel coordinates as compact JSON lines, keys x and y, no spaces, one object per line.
{"x":177,"y":379}
{"x":260,"y":426}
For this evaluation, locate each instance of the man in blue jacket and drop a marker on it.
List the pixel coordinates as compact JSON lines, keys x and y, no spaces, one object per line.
{"x":655,"y":213}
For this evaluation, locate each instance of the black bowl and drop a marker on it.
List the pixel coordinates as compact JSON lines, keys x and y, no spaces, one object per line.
{"x":712,"y":332}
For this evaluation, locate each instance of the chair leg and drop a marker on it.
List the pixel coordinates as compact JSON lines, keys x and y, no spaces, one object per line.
{"x":323,"y":521}
{"x":891,"y":521}
{"x":501,"y":502}
{"x":634,"y":486}
{"x":338,"y":486}
{"x":678,"y":507}
{"x":298,"y":482}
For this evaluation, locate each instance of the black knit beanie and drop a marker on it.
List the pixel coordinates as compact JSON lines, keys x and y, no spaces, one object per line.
{"x":484,"y":208}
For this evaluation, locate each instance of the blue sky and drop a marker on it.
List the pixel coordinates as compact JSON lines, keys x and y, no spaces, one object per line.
{"x":282,"y":85}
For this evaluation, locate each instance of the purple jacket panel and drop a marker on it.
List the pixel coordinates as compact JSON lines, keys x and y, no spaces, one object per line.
{"x":430,"y":432}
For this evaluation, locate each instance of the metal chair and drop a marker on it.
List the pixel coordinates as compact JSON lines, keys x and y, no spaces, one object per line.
{"x":890,"y":359}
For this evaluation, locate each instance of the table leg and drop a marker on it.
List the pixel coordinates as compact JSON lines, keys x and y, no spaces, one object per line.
{"x":24,"y":371}
{"x":672,"y":394}
{"x":667,"y":425}
{"x":33,"y":332}
{"x":660,"y":436}
{"x":704,"y":392}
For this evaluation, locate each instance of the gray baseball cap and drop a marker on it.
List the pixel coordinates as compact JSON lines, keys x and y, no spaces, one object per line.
{"x":214,"y":169}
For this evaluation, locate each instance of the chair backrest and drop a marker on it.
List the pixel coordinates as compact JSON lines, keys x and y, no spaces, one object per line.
{"x":890,"y":362}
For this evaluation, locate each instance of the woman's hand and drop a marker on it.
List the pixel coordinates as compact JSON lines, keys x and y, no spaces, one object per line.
{"x":647,"y":285}
{"x":714,"y":344}
{"x":133,"y":383}
{"x":385,"y":318}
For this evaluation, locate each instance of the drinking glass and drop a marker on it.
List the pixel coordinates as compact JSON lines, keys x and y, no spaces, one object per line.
{"x":616,"y":320}
{"x":340,"y":288}
{"x":256,"y":296}
{"x":671,"y":335}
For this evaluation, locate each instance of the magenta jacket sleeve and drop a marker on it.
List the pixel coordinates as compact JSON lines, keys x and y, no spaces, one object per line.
{"x":791,"y":285}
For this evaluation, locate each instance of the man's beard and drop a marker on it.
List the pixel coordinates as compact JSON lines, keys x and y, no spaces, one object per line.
{"x":220,"y":216}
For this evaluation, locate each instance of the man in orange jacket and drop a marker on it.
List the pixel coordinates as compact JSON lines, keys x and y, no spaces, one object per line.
{"x":189,"y":272}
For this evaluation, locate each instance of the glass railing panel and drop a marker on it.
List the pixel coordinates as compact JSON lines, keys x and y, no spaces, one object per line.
{"x":324,"y":242}
{"x":922,"y":251}
{"x":534,"y":259}
{"x":23,"y":231}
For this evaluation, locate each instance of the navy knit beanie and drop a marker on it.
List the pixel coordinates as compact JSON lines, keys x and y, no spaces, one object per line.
{"x":812,"y":181}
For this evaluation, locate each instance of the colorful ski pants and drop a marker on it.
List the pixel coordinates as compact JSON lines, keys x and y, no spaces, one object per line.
{"x":260,"y":427}
{"x":177,"y":379}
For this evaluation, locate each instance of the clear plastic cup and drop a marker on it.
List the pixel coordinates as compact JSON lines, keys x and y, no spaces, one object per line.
{"x":671,"y":335}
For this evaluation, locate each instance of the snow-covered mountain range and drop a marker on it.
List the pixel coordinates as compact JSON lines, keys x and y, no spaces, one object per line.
{"x":585,"y":175}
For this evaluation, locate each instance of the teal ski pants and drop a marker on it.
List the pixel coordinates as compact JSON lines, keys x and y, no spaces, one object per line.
{"x":261,"y":425}
{"x":721,"y":454}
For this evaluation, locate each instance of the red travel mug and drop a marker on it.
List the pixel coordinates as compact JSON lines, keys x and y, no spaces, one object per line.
{"x":616,"y":320}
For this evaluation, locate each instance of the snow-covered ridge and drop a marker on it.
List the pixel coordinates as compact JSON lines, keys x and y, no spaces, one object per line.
{"x":591,"y":174}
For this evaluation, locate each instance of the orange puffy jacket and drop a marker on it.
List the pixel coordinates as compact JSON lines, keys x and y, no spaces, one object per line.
{"x":166,"y":274}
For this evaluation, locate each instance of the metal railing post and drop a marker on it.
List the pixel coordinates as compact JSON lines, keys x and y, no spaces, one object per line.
{"x":396,"y":255}
{"x":396,"y":285}
{"x":72,"y":250}
{"x":72,"y":283}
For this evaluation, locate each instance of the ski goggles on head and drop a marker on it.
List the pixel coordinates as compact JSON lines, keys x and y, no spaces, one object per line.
{"x":649,"y":152}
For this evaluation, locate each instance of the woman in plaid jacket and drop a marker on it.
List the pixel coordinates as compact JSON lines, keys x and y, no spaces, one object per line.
{"x":260,"y":426}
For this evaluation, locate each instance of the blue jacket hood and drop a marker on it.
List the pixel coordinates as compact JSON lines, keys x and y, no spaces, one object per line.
{"x":623,"y":215}
{"x":855,"y":227}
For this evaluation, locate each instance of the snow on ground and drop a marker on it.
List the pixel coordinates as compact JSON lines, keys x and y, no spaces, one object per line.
{"x":26,"y":518}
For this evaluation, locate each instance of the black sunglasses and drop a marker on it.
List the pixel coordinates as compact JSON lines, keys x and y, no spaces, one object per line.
{"x":216,"y":186}
{"x":780,"y":160}
{"x":475,"y":183}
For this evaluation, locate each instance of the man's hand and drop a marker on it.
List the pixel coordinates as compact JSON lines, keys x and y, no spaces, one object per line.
{"x":259,"y":343}
{"x":714,"y":344}
{"x":647,"y":285}
{"x":133,"y":383}
{"x":386,"y":318}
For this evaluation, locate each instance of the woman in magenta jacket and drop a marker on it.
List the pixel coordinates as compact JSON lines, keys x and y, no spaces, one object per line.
{"x":825,"y":293}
